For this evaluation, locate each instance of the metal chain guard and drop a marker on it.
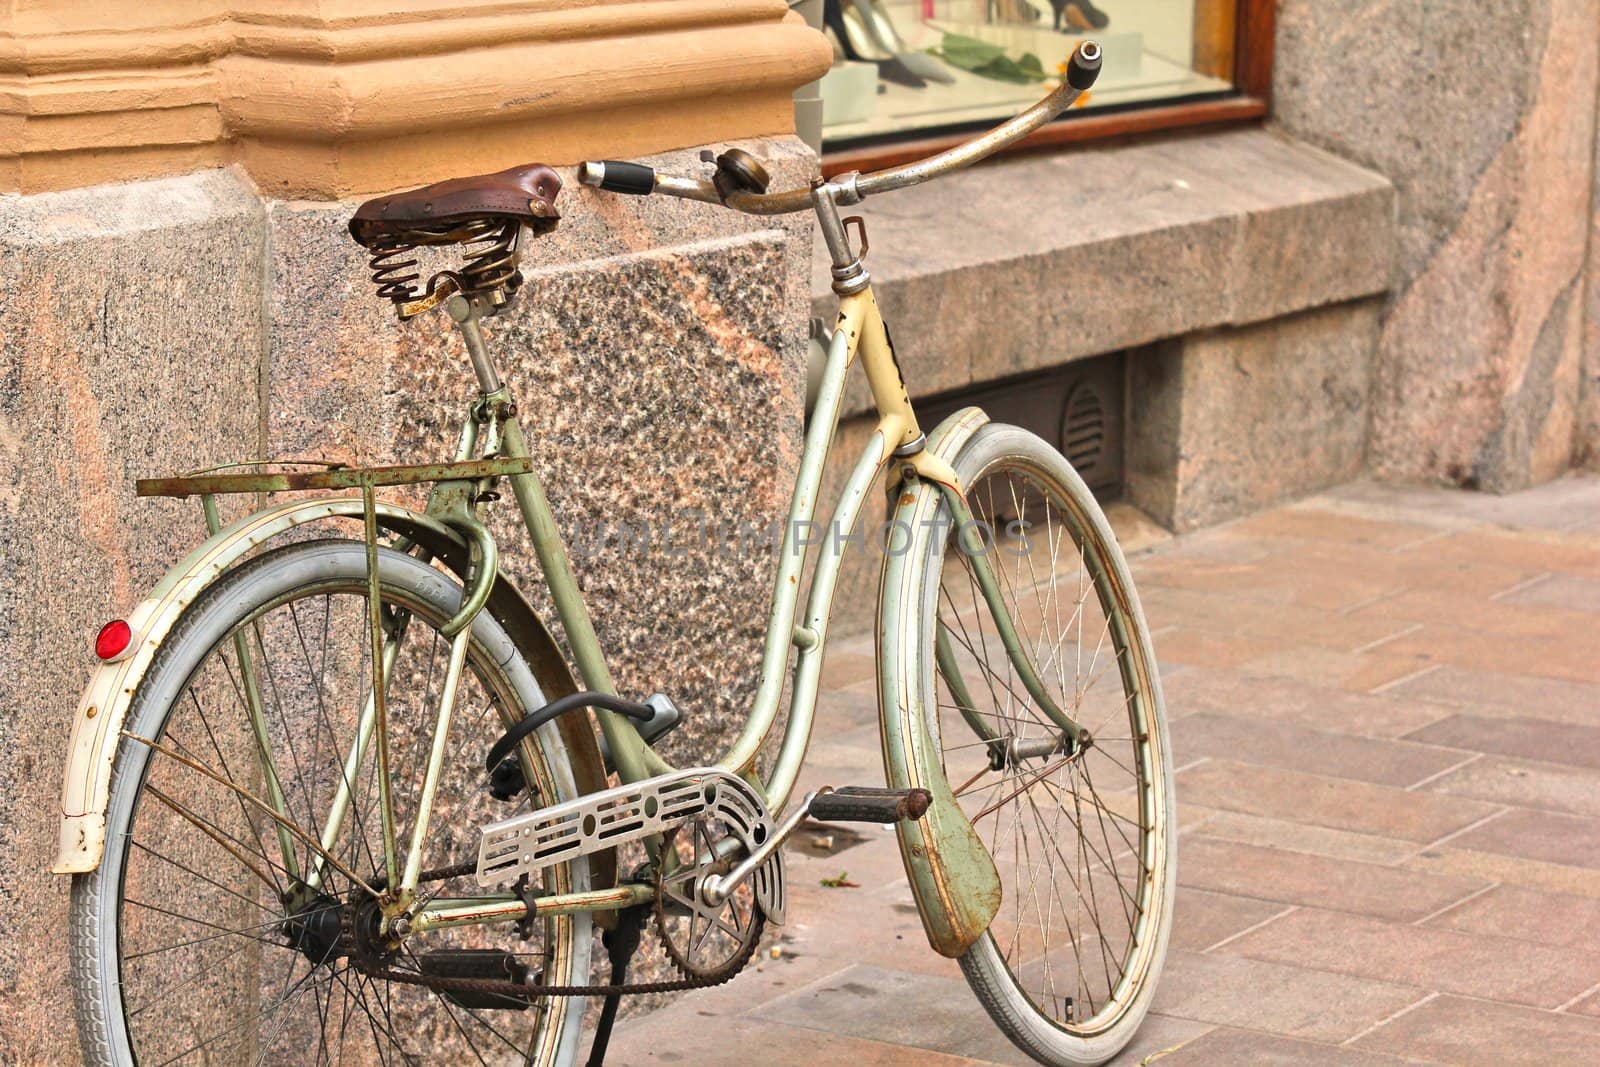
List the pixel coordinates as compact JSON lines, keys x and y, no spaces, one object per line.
{"x":525,"y":844}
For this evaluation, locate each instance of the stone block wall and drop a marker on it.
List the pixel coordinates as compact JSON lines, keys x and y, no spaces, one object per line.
{"x":657,"y":353}
{"x":1483,"y":116}
{"x":1233,"y":420}
{"x":1238,"y":271}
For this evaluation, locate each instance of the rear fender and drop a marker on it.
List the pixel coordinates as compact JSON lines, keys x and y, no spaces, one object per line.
{"x":97,"y":725}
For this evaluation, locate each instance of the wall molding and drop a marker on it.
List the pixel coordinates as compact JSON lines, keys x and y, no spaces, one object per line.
{"x":325,"y":99}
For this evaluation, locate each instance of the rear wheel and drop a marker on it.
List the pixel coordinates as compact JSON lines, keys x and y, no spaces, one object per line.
{"x":205,"y":937}
{"x":1082,"y":835}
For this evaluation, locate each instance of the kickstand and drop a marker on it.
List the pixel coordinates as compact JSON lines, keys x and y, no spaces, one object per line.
{"x":620,"y":944}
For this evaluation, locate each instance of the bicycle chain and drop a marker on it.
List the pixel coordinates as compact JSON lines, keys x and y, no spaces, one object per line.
{"x":516,"y":990}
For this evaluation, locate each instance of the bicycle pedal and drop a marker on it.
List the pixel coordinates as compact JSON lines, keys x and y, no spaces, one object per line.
{"x":478,"y":964}
{"x":865,"y":803}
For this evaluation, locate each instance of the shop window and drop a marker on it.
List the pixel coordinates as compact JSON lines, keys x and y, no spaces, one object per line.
{"x":923,"y":68}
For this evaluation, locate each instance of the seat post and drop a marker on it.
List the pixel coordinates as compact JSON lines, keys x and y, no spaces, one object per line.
{"x":467,"y":313}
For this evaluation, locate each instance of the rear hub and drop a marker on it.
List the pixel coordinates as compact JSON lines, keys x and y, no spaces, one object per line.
{"x":315,"y":925}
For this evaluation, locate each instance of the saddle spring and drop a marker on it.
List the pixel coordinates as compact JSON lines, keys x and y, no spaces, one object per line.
{"x":489,"y":267}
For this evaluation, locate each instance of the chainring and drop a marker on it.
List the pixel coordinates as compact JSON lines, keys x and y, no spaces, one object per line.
{"x":704,"y":942}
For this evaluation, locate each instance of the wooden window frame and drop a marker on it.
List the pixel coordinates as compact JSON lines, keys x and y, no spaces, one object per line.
{"x":1255,"y":21}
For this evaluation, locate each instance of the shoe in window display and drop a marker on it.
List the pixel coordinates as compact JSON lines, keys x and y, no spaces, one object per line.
{"x":1079,"y":15}
{"x":875,"y":17}
{"x":856,"y":42}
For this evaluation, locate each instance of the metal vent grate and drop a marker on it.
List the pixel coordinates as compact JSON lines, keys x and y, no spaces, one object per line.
{"x":1083,"y":430}
{"x":1077,"y":407}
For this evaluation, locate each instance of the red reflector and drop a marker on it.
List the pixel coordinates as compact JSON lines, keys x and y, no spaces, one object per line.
{"x":113,"y":640}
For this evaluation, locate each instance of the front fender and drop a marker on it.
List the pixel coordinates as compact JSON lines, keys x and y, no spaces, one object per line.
{"x":97,"y":725}
{"x":952,"y":876}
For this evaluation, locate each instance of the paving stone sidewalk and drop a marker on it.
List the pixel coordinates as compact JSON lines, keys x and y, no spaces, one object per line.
{"x":1385,"y":707}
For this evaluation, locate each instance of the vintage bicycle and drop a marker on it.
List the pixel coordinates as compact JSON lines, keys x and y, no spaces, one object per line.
{"x":337,"y":799}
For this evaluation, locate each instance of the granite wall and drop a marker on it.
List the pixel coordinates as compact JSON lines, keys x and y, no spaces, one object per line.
{"x":131,"y":341}
{"x":1483,"y":116}
{"x":657,"y":351}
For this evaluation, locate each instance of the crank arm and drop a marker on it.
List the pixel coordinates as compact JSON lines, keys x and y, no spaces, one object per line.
{"x":716,"y":888}
{"x":849,"y":804}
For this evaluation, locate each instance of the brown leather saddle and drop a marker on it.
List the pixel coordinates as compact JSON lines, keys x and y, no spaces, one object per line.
{"x":485,"y":213}
{"x":526,"y":194}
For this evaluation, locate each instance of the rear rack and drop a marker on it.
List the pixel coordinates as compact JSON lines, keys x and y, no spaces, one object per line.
{"x":205,"y":483}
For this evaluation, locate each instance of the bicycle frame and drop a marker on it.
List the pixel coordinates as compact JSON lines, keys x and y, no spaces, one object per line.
{"x":859,"y":334}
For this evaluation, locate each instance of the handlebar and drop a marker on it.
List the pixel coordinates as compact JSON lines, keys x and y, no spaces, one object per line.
{"x":639,"y":180}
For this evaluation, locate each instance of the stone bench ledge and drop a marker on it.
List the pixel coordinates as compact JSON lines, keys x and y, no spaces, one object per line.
{"x":1038,"y":260}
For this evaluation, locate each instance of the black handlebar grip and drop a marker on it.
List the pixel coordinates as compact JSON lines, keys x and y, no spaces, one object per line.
{"x":635,"y":179}
{"x":865,"y":804}
{"x":1084,"y":66}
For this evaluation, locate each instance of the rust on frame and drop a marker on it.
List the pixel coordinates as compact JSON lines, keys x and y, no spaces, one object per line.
{"x":338,"y":478}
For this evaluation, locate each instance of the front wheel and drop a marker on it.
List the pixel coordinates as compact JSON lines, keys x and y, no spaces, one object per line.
{"x":1082,"y":834}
